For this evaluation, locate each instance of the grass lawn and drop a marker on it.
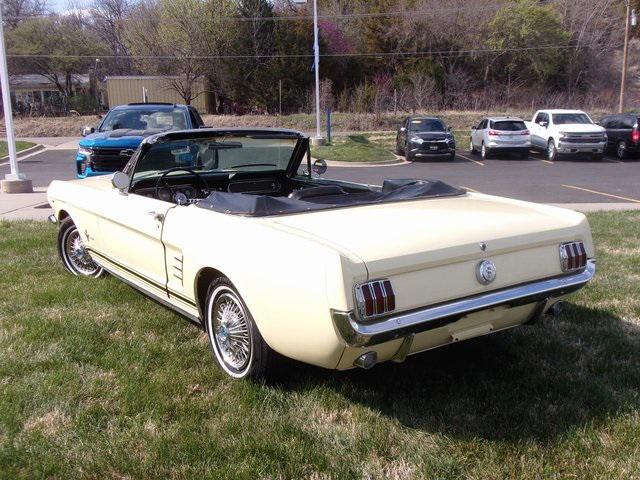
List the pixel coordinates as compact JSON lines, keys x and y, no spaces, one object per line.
{"x":97,"y":381}
{"x":357,"y":148}
{"x":20,"y":145}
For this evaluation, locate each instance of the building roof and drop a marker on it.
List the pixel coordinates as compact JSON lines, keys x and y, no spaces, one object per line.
{"x":37,"y":81}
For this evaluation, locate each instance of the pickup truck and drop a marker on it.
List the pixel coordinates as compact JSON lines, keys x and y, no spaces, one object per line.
{"x":566,"y":132}
{"x":108,"y":148}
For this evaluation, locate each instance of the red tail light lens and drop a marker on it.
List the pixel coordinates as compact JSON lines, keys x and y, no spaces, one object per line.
{"x":493,"y":133}
{"x":573,"y":256}
{"x":635,"y":135}
{"x":525,"y":132}
{"x":375,"y":298}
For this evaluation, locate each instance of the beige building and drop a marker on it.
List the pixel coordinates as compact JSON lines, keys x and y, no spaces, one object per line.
{"x":132,"y":89}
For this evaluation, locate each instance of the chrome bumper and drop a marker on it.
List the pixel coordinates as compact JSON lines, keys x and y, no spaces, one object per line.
{"x":568,"y":147}
{"x":359,"y":334}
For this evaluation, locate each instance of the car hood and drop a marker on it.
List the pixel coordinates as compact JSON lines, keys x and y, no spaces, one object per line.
{"x":418,"y":234}
{"x":121,"y":138}
{"x":430,"y":135}
{"x":580,"y":128}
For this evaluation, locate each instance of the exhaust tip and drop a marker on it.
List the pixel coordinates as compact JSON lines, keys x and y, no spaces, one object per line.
{"x":366,"y":360}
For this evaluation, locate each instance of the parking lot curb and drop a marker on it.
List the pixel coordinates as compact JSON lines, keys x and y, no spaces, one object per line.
{"x":25,"y":152}
{"x":382,"y":163}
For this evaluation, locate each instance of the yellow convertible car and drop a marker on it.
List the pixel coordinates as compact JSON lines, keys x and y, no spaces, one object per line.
{"x":231,"y":228}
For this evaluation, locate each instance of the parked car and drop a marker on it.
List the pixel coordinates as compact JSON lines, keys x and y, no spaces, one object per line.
{"x":496,"y":135}
{"x":623,"y":134}
{"x":425,"y":137}
{"x":225,"y":227}
{"x":108,"y":147}
{"x":566,"y":132}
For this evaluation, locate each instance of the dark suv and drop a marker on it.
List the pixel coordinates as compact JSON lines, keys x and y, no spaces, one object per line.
{"x":422,"y":137}
{"x":623,"y":134}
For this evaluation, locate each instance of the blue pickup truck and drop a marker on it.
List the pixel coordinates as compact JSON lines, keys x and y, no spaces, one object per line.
{"x":107,"y":148}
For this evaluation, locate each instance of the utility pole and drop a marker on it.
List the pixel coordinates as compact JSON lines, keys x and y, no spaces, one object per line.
{"x":13,"y":182}
{"x":625,"y":55}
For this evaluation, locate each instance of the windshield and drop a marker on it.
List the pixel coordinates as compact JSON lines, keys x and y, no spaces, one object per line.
{"x":566,"y":118}
{"x":427,"y":125}
{"x":144,"y":119}
{"x":217,"y":154}
{"x":509,"y":126}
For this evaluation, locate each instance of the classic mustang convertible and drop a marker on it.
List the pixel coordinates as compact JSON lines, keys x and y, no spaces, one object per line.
{"x":230,"y":228}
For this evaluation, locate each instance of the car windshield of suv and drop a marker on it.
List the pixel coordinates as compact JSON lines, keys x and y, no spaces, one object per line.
{"x":508,"y":125}
{"x":216,"y":154}
{"x":144,"y":119}
{"x":427,"y":125}
{"x":567,"y":118}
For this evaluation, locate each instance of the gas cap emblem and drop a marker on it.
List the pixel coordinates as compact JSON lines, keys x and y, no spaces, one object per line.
{"x":486,"y":272}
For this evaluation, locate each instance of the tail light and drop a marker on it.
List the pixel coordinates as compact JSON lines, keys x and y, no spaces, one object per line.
{"x":493,"y":133}
{"x":375,"y":298}
{"x":525,"y":132}
{"x":573,"y":256}
{"x":635,"y":135}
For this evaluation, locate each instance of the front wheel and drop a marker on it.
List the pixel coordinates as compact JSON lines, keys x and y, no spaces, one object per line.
{"x":237,"y":345}
{"x":552,"y":151}
{"x":73,"y":253}
{"x":472,"y":149}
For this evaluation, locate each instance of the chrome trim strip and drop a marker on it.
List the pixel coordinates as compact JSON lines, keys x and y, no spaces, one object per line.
{"x":357,"y":334}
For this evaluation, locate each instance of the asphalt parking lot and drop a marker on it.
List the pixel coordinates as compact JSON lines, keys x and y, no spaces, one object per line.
{"x":570,"y":180}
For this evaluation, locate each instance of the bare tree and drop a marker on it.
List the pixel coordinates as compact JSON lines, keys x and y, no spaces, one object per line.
{"x":16,"y":11}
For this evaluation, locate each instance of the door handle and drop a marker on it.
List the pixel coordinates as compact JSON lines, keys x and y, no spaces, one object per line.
{"x":156,"y":216}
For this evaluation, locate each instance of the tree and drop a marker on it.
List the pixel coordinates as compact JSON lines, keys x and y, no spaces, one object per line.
{"x":55,"y":47}
{"x":518,"y":27}
{"x":107,"y":20}
{"x":179,"y":38}
{"x":17,"y":11}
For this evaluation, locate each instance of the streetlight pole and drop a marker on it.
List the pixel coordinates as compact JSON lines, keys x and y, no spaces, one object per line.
{"x":14,"y":182}
{"x":625,"y":56}
{"x":316,"y":67}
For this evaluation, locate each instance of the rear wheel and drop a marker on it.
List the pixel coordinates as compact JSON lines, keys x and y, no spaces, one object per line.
{"x":484,"y":152}
{"x":73,"y":253}
{"x":237,"y":345}
{"x":621,"y":150}
{"x":552,"y":151}
{"x":452,"y":157}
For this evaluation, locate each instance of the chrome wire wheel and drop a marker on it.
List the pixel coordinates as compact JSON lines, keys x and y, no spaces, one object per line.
{"x":229,"y":331}
{"x":75,"y":255}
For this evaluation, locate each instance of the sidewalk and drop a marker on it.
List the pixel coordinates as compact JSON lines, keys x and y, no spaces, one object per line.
{"x":25,"y":206}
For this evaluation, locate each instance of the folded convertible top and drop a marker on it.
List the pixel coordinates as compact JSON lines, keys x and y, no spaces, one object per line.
{"x":324,"y":197}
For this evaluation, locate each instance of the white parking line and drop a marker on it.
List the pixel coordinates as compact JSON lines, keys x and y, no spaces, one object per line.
{"x":547,"y":161}
{"x":470,"y":159}
{"x":634,"y":200}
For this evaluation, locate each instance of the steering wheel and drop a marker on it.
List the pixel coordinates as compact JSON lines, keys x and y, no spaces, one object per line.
{"x":162,"y":181}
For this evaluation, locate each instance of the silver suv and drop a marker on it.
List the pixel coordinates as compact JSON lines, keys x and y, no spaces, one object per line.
{"x":500,"y":135}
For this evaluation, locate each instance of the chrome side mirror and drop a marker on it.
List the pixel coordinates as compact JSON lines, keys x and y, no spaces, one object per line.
{"x":120,"y":180}
{"x":319,"y":167}
{"x":544,"y":124}
{"x":87,"y":131}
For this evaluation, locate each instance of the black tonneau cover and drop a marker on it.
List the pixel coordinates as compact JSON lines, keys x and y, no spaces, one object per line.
{"x":326,"y":197}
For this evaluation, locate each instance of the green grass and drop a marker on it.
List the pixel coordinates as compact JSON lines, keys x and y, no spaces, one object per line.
{"x":97,"y":381}
{"x":356,"y":148}
{"x":20,"y":145}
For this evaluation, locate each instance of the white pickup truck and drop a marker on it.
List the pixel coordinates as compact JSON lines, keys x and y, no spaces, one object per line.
{"x":563,"y":132}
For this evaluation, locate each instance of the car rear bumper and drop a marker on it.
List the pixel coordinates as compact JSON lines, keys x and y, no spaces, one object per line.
{"x":542,"y":293}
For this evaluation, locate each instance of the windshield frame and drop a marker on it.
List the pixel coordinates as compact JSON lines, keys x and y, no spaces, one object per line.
{"x":300,"y":151}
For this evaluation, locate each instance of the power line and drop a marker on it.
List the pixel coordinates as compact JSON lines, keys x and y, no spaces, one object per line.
{"x":440,"y":53}
{"x":339,"y":16}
